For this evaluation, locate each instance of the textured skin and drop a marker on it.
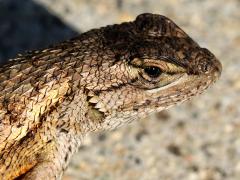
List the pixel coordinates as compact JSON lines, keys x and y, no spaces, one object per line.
{"x":100,"y":80}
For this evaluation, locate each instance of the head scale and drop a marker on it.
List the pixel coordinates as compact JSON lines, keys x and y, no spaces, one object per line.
{"x":152,"y":65}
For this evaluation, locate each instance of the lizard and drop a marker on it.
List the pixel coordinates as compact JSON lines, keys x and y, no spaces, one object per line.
{"x":104,"y":78}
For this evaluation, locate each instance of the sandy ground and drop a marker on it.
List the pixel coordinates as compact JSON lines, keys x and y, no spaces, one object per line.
{"x":198,"y":140}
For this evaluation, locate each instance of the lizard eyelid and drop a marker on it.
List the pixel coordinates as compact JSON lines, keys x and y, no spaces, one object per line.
{"x":138,"y":62}
{"x":163,"y":66}
{"x":173,"y":61}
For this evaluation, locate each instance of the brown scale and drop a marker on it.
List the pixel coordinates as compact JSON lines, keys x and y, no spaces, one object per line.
{"x":50,"y":99}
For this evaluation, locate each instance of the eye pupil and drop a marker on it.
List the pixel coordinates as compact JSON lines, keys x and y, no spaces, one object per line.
{"x":153,"y":71}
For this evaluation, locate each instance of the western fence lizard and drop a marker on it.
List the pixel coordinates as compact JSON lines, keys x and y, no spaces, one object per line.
{"x":49,"y":99}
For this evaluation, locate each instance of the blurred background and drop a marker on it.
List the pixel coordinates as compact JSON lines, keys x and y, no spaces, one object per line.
{"x":198,"y":140}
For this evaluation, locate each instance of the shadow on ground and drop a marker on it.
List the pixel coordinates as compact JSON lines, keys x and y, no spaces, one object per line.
{"x":26,"y":25}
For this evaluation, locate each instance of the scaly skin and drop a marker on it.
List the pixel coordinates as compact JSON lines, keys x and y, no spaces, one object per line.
{"x":50,"y":99}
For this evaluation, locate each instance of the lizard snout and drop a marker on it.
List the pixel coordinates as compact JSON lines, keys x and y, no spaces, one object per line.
{"x":205,"y":63}
{"x":216,"y":68}
{"x":213,"y":64}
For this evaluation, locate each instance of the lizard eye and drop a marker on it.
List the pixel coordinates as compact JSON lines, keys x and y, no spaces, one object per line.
{"x":153,"y":71}
{"x":156,"y":73}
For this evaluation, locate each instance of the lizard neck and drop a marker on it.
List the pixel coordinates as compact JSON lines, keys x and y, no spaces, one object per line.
{"x":75,"y":115}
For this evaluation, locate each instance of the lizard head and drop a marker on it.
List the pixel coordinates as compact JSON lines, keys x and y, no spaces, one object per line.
{"x":154,"y":65}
